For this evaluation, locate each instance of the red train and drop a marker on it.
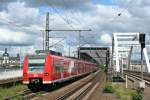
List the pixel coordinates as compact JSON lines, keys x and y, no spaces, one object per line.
{"x":40,"y":70}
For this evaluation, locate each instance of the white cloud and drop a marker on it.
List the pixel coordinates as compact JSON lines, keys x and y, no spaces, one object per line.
{"x":19,"y":13}
{"x":25,"y":17}
{"x":12,"y":37}
{"x":3,"y":15}
{"x":19,"y":24}
{"x":106,"y":38}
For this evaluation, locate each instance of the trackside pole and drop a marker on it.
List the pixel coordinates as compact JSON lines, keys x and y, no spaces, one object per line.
{"x":126,"y":81}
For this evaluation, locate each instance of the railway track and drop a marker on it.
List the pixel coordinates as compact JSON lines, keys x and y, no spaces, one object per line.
{"x":137,"y":75}
{"x":28,"y":94}
{"x":75,"y":93}
{"x":81,"y":91}
{"x":23,"y":95}
{"x":10,"y":82}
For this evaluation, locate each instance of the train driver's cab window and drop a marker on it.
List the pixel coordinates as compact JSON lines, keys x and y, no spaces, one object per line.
{"x":36,"y":65}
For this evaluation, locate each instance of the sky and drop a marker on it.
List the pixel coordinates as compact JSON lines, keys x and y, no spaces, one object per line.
{"x":21,"y":22}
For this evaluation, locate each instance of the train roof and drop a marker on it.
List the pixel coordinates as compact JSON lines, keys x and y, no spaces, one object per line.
{"x":60,"y":57}
{"x":72,"y":58}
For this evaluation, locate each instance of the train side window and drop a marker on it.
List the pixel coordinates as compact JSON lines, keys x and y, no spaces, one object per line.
{"x":58,"y":65}
{"x":66,"y":66}
{"x":53,"y":66}
{"x":61,"y":66}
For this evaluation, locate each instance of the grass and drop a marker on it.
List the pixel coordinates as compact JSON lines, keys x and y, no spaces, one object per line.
{"x":122,"y":93}
{"x":108,"y":88}
{"x":39,"y":95}
{"x":11,"y":91}
{"x":138,"y":95}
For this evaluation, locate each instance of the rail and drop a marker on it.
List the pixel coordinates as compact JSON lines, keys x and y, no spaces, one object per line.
{"x":80,"y":91}
{"x":137,"y":75}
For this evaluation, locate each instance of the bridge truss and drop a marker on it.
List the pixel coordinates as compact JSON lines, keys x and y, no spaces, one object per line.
{"x":122,"y":49}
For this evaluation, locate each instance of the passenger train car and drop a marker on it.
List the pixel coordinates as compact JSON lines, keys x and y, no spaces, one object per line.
{"x":40,"y":70}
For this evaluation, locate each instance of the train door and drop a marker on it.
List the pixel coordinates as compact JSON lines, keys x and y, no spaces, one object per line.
{"x":66,"y":68}
{"x":61,"y":69}
{"x":75,"y":69}
{"x":71,"y":67}
{"x":57,"y":66}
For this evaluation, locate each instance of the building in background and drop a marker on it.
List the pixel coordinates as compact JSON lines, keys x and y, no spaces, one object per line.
{"x":7,"y":61}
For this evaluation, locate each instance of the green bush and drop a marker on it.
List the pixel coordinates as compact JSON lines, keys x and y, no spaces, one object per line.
{"x":108,"y":88}
{"x":138,"y":95}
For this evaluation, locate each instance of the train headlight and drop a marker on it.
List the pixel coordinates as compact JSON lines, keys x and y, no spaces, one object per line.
{"x":46,"y":74}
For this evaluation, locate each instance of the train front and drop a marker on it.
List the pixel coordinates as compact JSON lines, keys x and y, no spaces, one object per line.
{"x":36,"y":71}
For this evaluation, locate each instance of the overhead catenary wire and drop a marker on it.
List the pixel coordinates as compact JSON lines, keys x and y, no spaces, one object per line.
{"x":123,"y":10}
{"x":57,"y":12}
{"x":57,"y":42}
{"x":75,"y":17}
{"x":66,"y":20}
{"x":114,"y":18}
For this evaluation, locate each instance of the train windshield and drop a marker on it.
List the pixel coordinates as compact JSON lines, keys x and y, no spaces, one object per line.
{"x":36,"y":64}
